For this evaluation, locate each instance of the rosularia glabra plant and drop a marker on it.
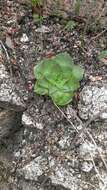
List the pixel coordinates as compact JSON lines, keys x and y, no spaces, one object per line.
{"x":58,"y":77}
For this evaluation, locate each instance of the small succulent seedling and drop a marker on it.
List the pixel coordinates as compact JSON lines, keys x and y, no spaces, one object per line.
{"x":37,"y":10}
{"x":103,"y":56}
{"x":36,"y":2}
{"x":58,"y":78}
{"x":38,"y":18}
{"x":70,"y":25}
{"x":77,"y":6}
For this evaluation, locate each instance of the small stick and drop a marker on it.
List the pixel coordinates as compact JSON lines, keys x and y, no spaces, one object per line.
{"x":7,"y":55}
{"x":96,"y":170}
{"x":98,"y":35}
{"x":67,"y":118}
{"x":85,"y":131}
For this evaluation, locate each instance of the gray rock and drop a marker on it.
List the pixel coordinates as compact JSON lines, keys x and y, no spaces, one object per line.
{"x":43,"y":29}
{"x":103,"y":183}
{"x":56,"y":160}
{"x":64,"y":142}
{"x":64,"y":177}
{"x":3,"y":73}
{"x":41,"y":153}
{"x":59,"y":175}
{"x":31,"y":117}
{"x":9,"y":96}
{"x":87,"y":166}
{"x":28,"y":186}
{"x":86,"y":148}
{"x":24,"y":38}
{"x":93,"y":101}
{"x":11,"y":104}
{"x":9,"y":122}
{"x":34,"y":169}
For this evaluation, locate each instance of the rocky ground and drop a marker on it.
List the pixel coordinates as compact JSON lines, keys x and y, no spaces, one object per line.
{"x":44,"y":147}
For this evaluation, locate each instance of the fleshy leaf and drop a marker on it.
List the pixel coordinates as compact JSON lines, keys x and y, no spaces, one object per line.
{"x":61,"y":98}
{"x":40,"y":90}
{"x":44,"y":83}
{"x":70,"y":25}
{"x":58,"y":78}
{"x":38,"y":70}
{"x":77,"y":72}
{"x":71,"y":85}
{"x":64,"y":60}
{"x":103,"y":54}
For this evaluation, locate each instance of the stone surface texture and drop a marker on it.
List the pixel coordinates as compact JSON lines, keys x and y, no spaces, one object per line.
{"x":43,"y":147}
{"x":11,"y":104}
{"x":93,"y":101}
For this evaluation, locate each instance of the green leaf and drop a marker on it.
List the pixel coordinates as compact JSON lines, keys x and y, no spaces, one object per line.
{"x":103,"y":54}
{"x":61,"y":98}
{"x":36,"y":2}
{"x":52,"y":75}
{"x":37,"y":18}
{"x":71,"y":85}
{"x":70,"y":25}
{"x":64,"y":60}
{"x":38,"y":70}
{"x":40,"y":89}
{"x":77,"y":72}
{"x":44,"y":83}
{"x":58,"y":78}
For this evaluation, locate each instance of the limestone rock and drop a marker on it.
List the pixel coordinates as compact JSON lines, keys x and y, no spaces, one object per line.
{"x":33,"y":170}
{"x":9,"y":122}
{"x":59,"y":175}
{"x":11,"y":104}
{"x":9,"y":97}
{"x":93,"y":101}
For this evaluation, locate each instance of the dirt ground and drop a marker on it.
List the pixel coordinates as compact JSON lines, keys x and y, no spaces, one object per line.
{"x":28,"y":41}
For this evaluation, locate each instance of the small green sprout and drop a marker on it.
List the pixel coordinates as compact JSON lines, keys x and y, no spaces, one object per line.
{"x":103,"y":54}
{"x":103,"y":57}
{"x":58,"y":78}
{"x":78,"y":6}
{"x":36,"y":2}
{"x":70,"y":25}
{"x":38,"y":18}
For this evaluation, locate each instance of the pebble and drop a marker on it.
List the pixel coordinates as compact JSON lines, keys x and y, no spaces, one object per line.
{"x":24,"y":38}
{"x":87,"y":166}
{"x":43,"y":29}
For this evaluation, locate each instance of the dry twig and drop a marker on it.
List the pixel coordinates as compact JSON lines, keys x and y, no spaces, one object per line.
{"x":85,"y":130}
{"x":98,"y":35}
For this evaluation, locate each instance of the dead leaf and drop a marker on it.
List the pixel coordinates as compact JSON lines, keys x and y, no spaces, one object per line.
{"x":95,"y":78}
{"x":9,"y":42}
{"x":104,"y":60}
